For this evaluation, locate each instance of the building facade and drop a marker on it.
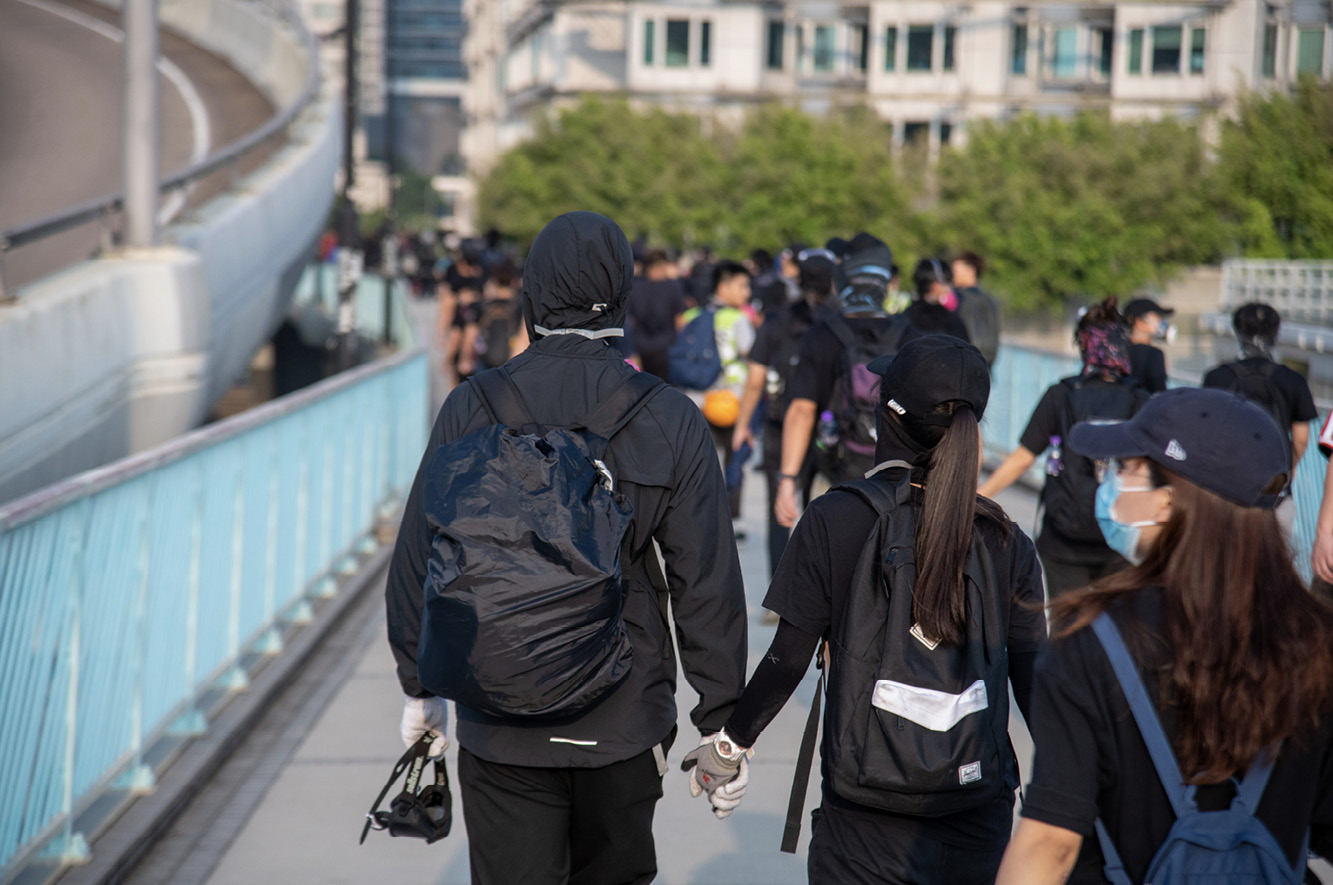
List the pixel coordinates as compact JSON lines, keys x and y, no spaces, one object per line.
{"x":928,"y":68}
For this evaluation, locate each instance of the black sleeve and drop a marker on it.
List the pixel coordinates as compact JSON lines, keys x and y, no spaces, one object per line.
{"x":1046,"y":420}
{"x":1020,"y":679}
{"x":1300,"y":398}
{"x":1027,"y":613}
{"x":765,"y":337}
{"x":1155,"y":374}
{"x":1217,"y":377}
{"x":812,"y":376}
{"x":774,"y":680}
{"x":802,"y":588}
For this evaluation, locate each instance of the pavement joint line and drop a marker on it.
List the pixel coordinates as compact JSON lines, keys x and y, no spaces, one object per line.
{"x":129,"y":840}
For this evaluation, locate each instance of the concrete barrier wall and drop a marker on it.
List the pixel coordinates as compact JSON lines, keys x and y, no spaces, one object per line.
{"x":122,"y":353}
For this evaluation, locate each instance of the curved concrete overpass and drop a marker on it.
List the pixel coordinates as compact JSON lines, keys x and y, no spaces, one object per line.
{"x":61,"y":107}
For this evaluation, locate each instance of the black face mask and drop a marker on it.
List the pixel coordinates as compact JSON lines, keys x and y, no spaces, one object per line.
{"x":895,"y":443}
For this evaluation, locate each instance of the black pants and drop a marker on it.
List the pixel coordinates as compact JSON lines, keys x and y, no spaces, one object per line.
{"x":855,"y":849}
{"x":583,"y":826}
{"x":1063,"y":576}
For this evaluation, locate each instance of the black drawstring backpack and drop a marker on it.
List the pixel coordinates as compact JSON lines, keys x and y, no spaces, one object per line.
{"x":427,"y":814}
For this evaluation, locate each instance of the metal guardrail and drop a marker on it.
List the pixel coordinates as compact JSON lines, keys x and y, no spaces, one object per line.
{"x":132,"y":592}
{"x":1302,"y":291}
{"x":1020,"y":377}
{"x":102,"y":208}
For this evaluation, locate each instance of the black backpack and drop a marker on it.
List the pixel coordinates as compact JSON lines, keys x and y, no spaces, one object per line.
{"x":1254,"y":381}
{"x":793,"y":320}
{"x":494,"y":329}
{"x":524,"y":588}
{"x":855,"y":395}
{"x":915,"y":727}
{"x":1069,"y":495}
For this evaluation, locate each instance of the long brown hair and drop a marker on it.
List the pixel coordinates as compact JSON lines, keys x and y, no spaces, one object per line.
{"x":944,"y":531}
{"x":1251,"y":650}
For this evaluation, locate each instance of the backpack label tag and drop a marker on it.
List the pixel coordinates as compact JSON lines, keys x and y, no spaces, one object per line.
{"x":969,"y":773}
{"x":936,"y":710}
{"x":920,"y":636}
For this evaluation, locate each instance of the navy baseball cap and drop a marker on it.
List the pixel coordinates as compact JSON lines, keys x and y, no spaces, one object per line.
{"x":1213,"y":438}
{"x":930,"y":370}
{"x":1143,"y":306}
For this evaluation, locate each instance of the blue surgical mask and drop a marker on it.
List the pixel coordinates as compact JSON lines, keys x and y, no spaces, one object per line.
{"x":1122,"y":537}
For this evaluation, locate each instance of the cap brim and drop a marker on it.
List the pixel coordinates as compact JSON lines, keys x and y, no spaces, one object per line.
{"x":1098,"y":441}
{"x":879,"y":364}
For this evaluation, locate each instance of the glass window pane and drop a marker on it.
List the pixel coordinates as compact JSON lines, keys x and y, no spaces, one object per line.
{"x":776,"y":35}
{"x":946,"y":132}
{"x":1197,"y":42}
{"x":1270,"y":50}
{"x":915,"y":132}
{"x":649,"y":43}
{"x":920,"y":45}
{"x":1064,"y":57}
{"x":1310,"y":52}
{"x":1136,"y":51}
{"x":800,"y":48}
{"x":677,"y":43}
{"x":1106,"y":50}
{"x":823,"y":48}
{"x":862,"y":47}
{"x":705,"y":42}
{"x":1018,"y":59}
{"x":950,"y":33}
{"x":891,"y":49}
{"x":1166,"y":49}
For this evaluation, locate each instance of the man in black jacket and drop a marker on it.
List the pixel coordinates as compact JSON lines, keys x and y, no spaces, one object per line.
{"x":573,"y":800}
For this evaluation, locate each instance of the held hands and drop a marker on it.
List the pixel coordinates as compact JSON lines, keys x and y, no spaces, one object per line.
{"x":421,"y":715}
{"x":718,"y":767}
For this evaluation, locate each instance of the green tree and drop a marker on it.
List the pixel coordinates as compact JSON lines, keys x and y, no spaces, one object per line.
{"x":1276,"y":163}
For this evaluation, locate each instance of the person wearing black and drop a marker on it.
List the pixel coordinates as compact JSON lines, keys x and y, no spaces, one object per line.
{"x":1235,"y":656}
{"x":573,"y":800}
{"x":770,"y":370}
{"x":932,"y":395}
{"x":977,"y":308}
{"x":822,"y":360}
{"x":655,"y":303}
{"x":928,"y":311}
{"x":1280,"y":391}
{"x":1073,"y":551}
{"x":1147,"y":321}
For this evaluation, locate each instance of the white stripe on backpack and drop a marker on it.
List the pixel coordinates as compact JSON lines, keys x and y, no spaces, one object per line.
{"x":936,"y":710}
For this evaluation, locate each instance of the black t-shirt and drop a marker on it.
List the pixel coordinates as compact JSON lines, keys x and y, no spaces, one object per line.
{"x":936,"y":319}
{"x":1293,"y":393}
{"x":653,"y":308}
{"x":820,"y":356}
{"x":810,"y":589}
{"x":1147,"y":366}
{"x":775,"y":346}
{"x":1091,"y":760}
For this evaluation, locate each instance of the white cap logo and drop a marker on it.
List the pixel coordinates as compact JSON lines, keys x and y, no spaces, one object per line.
{"x":893,"y":404}
{"x":1175,"y":451}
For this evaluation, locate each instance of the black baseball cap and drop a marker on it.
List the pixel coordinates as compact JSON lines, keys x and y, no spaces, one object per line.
{"x":1142,"y":306}
{"x":930,"y":370}
{"x":816,"y":272}
{"x":1213,"y":438}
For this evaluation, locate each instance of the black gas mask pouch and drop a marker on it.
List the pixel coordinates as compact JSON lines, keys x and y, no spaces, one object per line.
{"x":417,"y":812}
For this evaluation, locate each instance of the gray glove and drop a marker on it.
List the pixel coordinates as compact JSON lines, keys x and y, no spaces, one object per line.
{"x":718,"y":767}
{"x":421,"y":715}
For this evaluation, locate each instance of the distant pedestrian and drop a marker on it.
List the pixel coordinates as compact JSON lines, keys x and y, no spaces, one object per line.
{"x":977,"y":308}
{"x":1148,"y":322}
{"x":558,"y":630}
{"x":1207,"y":664}
{"x":930,"y":311}
{"x":655,"y":305}
{"x":1072,"y":549}
{"x":929,"y":600}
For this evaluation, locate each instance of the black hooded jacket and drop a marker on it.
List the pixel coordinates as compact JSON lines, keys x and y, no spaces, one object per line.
{"x":578,"y":276}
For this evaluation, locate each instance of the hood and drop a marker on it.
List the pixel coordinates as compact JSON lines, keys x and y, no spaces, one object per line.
{"x":577,"y":275}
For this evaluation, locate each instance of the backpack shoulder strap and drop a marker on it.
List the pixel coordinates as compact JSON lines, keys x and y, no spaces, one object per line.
{"x":501,"y":400}
{"x":616,"y":409}
{"x":791,"y":833}
{"x":1251,"y":788}
{"x":837,"y":324}
{"x":1145,"y":715}
{"x":880,"y":494}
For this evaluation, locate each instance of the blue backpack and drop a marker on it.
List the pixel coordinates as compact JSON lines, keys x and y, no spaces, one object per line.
{"x":1230,"y":847}
{"x":693,"y":361}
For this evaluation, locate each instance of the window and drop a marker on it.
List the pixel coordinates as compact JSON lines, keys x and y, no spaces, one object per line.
{"x":1018,"y":51}
{"x":1310,"y":51}
{"x":705,"y":42}
{"x":536,"y":61}
{"x":1198,"y":38}
{"x":920,"y":45}
{"x":649,"y":43}
{"x":1105,"y":50}
{"x":861,"y":46}
{"x":1064,"y":55}
{"x":777,"y":35}
{"x":890,"y":49}
{"x":1136,"y":51}
{"x":677,"y":43}
{"x":823,"y":48}
{"x":915,"y":132}
{"x":800,"y":48}
{"x":1270,"y":50}
{"x":1166,"y":49}
{"x":946,"y":133}
{"x":950,"y":34}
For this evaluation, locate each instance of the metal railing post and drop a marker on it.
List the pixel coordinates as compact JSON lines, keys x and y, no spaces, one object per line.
{"x":141,"y":122}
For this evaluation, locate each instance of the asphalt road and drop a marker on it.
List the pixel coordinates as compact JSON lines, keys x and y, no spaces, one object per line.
{"x":61,"y":104}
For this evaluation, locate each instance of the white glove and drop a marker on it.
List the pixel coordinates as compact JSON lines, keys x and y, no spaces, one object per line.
{"x":724,"y":779}
{"x":421,"y":715}
{"x":726,"y":797}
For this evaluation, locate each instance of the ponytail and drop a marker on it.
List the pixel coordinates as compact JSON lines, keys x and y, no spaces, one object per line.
{"x":944,"y":532}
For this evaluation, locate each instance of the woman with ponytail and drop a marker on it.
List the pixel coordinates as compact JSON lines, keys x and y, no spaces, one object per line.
{"x":932,"y":396}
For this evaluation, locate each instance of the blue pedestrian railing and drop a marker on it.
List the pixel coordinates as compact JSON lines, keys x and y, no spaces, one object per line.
{"x":129,"y":593}
{"x":1021,"y":375}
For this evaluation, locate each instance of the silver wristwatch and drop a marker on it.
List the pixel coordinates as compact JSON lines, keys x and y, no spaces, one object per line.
{"x":726,"y":747}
